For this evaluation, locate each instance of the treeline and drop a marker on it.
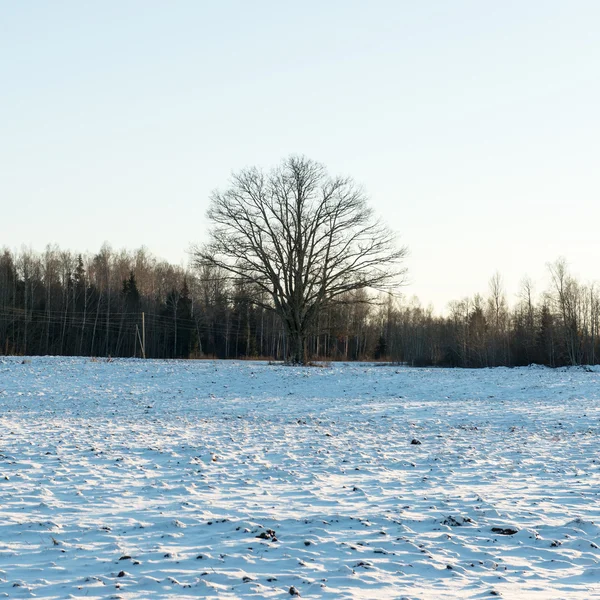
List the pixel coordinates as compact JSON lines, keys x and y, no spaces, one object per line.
{"x":121,"y":303}
{"x":559,"y":328}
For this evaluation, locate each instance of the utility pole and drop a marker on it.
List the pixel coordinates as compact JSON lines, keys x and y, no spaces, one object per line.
{"x":143,"y":335}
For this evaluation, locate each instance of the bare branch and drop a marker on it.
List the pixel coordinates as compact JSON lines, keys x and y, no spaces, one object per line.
{"x":303,"y":238}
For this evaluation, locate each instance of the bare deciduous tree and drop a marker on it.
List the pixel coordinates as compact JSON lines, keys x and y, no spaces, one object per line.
{"x":301,"y":237}
{"x":567,"y":296}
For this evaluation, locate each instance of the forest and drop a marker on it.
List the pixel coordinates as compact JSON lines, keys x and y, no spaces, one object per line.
{"x":131,"y":304}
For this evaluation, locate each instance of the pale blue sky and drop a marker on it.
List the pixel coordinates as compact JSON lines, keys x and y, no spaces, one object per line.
{"x":474,"y":126}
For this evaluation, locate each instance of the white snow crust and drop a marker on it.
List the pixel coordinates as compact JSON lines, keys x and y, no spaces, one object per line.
{"x":204,"y":479}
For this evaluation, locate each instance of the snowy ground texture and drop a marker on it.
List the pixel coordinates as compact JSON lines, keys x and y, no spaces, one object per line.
{"x":154,"y":479}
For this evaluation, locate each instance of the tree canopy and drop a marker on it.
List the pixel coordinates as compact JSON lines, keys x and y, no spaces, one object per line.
{"x":302,"y":239}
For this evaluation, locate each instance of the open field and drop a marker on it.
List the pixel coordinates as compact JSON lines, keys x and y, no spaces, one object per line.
{"x":153,"y":479}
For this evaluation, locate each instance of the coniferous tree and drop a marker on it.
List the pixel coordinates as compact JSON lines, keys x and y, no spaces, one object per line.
{"x":186,"y":334}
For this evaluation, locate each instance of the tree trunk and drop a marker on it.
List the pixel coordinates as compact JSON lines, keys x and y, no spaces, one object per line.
{"x":297,"y":348}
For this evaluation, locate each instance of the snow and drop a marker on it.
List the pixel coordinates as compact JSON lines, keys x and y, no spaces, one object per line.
{"x":188,"y":479}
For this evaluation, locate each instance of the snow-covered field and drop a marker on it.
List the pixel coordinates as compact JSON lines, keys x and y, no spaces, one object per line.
{"x":154,"y":479}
